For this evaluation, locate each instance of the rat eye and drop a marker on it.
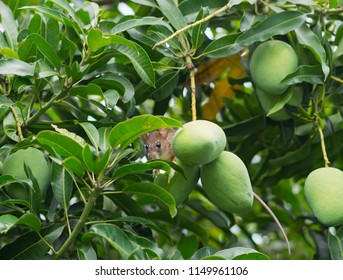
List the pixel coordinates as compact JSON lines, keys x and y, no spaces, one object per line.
{"x":158,"y":145}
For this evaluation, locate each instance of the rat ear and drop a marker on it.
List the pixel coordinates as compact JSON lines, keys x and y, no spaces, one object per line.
{"x":164,"y":132}
{"x":145,"y":137}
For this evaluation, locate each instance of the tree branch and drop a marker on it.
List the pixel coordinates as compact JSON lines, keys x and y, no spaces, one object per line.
{"x":224,"y":8}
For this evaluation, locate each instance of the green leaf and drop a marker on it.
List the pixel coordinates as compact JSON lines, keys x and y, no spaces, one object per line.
{"x":241,"y":253}
{"x":309,"y":39}
{"x":31,"y":221}
{"x":11,"y":66}
{"x":247,"y":126}
{"x":54,"y":14}
{"x":7,"y":221}
{"x":66,"y":6}
{"x":74,"y":165}
{"x":203,"y":252}
{"x":145,"y":222}
{"x":223,"y":47}
{"x":281,"y":100}
{"x":172,"y":13}
{"x":63,"y":145}
{"x":112,"y":97}
{"x":35,"y":192}
{"x":126,"y":132}
{"x":42,"y":45}
{"x":155,"y":34}
{"x":4,"y":106}
{"x":44,"y":70}
{"x":96,"y":40}
{"x":334,"y":3}
{"x":216,"y":217}
{"x":147,"y":249}
{"x":138,"y":57}
{"x":91,"y":132}
{"x":141,"y":167}
{"x":86,"y":252}
{"x":335,"y":242}
{"x":10,"y":124}
{"x":117,"y":82}
{"x":198,"y":30}
{"x":237,"y":2}
{"x":165,"y":85}
{"x":134,"y":23}
{"x":9,"y":24}
{"x":276,"y":24}
{"x":104,"y":136}
{"x":154,"y":191}
{"x":114,"y":236}
{"x":90,"y":89}
{"x":69,"y":134}
{"x":292,"y":156}
{"x":127,"y":204}
{"x":30,"y":246}
{"x":93,"y":160}
{"x":9,"y":53}
{"x":339,"y":51}
{"x":305,"y":73}
{"x":62,"y":185}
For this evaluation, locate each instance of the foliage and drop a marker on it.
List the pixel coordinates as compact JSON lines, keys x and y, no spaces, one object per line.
{"x":83,"y":81}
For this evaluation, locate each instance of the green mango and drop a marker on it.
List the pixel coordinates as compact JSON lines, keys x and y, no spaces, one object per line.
{"x":227,"y":183}
{"x":324,"y":194}
{"x":270,"y":63}
{"x":199,"y":142}
{"x":14,"y":165}
{"x":180,"y":186}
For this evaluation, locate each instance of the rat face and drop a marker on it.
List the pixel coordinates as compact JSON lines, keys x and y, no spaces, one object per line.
{"x":158,"y":144}
{"x":153,"y":150}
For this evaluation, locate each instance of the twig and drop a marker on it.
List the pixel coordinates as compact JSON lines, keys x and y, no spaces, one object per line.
{"x":275,"y":219}
{"x":190,"y":67}
{"x":194,"y":24}
{"x":86,"y":211}
{"x":337,"y":79}
{"x":17,"y":123}
{"x":322,"y":142}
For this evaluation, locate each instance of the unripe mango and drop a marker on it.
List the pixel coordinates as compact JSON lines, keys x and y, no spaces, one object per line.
{"x":227,"y":183}
{"x":324,"y":194}
{"x":14,"y":165}
{"x":180,"y":186}
{"x":270,"y":63}
{"x":199,"y":142}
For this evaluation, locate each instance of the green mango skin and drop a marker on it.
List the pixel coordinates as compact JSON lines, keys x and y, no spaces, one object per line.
{"x":324,"y":194}
{"x":270,"y":63}
{"x":199,"y":142}
{"x":14,"y":165}
{"x":179,"y":186}
{"x":227,"y":183}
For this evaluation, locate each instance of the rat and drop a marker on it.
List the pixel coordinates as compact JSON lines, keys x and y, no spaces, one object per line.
{"x":159,"y":144}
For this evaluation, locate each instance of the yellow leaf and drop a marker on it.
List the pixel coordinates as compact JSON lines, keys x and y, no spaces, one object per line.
{"x":215,"y":68}
{"x":222,"y":89}
{"x":223,"y":68}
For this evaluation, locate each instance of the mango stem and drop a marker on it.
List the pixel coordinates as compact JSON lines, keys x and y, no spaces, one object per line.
{"x":265,"y":206}
{"x":322,"y":142}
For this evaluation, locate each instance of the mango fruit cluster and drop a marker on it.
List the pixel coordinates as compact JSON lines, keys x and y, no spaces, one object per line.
{"x":199,"y":147}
